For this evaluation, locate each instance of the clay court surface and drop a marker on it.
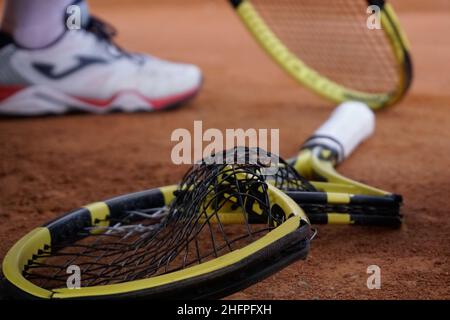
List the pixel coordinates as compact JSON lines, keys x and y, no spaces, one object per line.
{"x":54,"y":164}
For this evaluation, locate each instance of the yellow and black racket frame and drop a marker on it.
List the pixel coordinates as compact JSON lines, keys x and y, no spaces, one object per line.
{"x":317,"y":82}
{"x":340,"y":208}
{"x":212,"y":279}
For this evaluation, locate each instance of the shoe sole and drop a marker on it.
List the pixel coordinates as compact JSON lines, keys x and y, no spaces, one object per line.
{"x":42,"y":100}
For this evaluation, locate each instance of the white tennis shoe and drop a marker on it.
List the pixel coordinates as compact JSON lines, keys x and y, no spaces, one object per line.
{"x":85,"y":71}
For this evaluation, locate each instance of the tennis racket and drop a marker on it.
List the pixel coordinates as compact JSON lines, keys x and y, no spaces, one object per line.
{"x":222,"y":229}
{"x":328,"y":47}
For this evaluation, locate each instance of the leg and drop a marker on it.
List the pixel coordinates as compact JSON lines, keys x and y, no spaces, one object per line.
{"x":34,"y":24}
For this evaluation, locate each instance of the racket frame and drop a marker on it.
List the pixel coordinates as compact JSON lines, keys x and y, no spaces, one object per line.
{"x":319,"y":83}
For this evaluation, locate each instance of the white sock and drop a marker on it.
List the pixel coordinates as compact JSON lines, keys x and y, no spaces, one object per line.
{"x":36,"y":23}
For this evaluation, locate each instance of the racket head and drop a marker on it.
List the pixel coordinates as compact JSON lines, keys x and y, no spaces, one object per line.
{"x":327,"y":47}
{"x":213,"y":278}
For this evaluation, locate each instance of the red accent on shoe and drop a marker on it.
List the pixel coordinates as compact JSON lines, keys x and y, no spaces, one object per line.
{"x":6,"y":92}
{"x":168,"y":101}
{"x":158,"y":104}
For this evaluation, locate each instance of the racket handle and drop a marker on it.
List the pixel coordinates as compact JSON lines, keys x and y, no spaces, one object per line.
{"x":350,"y":124}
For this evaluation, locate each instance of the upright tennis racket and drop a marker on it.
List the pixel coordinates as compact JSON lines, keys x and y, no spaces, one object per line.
{"x":328,"y":47}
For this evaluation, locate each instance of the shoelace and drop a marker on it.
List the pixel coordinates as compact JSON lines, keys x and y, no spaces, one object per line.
{"x":101,"y":28}
{"x":106,"y":32}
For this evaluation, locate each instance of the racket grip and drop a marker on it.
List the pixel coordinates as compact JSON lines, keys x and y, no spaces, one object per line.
{"x":350,"y":124}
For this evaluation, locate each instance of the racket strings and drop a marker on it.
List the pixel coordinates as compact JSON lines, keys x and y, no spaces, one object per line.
{"x":145,"y":243}
{"x":332,"y":38}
